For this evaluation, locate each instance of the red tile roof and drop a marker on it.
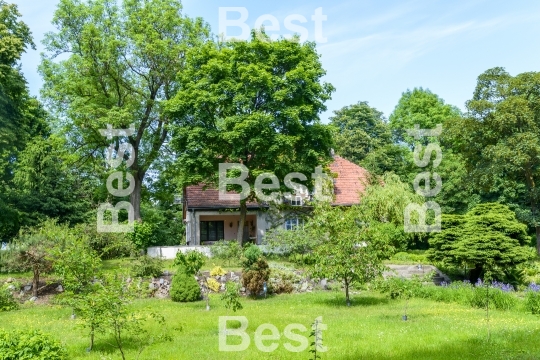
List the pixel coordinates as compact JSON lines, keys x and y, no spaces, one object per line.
{"x":350,"y":183}
{"x":348,"y":186}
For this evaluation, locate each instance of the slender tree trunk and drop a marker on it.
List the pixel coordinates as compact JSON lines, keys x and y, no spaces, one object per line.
{"x":243,"y":213}
{"x":35,"y":283}
{"x":91,"y":340}
{"x":347,"y":292}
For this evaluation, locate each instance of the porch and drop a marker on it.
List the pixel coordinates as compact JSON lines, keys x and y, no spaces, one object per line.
{"x":205,"y":227}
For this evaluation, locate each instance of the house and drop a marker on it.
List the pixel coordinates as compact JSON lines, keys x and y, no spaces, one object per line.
{"x":210,"y":219}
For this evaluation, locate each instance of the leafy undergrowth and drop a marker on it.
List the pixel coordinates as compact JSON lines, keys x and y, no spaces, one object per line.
{"x":370,"y":329}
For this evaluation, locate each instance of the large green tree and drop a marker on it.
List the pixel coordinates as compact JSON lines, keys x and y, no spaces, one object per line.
{"x":48,"y":185}
{"x":118,"y":64}
{"x":419,"y":106}
{"x":500,"y":141}
{"x":251,"y":102}
{"x":363,"y":136}
{"x":487,"y":238}
{"x":21,"y":116}
{"x":422,"y":108}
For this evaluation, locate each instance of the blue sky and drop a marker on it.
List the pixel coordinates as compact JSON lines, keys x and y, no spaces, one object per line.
{"x":375,"y":50}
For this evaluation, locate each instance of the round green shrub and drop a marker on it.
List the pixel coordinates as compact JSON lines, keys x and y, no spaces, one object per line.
{"x":30,"y":345}
{"x":7,"y":302}
{"x":146,"y":266}
{"x":184,"y":287}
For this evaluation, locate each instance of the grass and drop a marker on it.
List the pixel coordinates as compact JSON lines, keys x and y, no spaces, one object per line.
{"x":371,"y":329}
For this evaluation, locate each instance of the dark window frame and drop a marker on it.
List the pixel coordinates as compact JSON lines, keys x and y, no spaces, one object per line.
{"x":213,"y":230}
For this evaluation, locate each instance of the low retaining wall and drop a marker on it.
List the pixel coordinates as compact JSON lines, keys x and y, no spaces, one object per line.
{"x":169,"y":252}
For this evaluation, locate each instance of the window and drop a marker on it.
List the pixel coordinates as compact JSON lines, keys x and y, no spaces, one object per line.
{"x":293,"y":223}
{"x":211,"y":230}
{"x":296,"y":201}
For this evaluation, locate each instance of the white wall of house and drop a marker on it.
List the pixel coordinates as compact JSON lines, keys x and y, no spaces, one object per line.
{"x":256,"y":221}
{"x":169,"y":252}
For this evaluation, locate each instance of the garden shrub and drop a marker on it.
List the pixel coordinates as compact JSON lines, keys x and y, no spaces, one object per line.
{"x":255,"y":276}
{"x":227,"y":250}
{"x":231,"y":296}
{"x":143,"y":235}
{"x":532,"y":299}
{"x":7,"y":302}
{"x":396,"y":287}
{"x":217,"y":271}
{"x":192,"y":261}
{"x":30,"y":345}
{"x":147,"y":266}
{"x":282,"y":280}
{"x":302,"y":259}
{"x":251,"y":255}
{"x":107,"y":245}
{"x":213,"y":284}
{"x":255,"y":270}
{"x":184,"y":286}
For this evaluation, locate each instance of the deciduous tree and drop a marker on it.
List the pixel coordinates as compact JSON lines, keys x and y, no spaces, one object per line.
{"x":252,"y":102}
{"x":500,"y":141}
{"x":122,"y":62}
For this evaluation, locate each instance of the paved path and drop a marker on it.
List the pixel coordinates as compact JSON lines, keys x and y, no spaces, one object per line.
{"x":408,"y":271}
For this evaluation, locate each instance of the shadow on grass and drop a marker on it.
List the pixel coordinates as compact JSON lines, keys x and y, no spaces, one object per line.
{"x":474,"y":348}
{"x":356,"y":300}
{"x":108,"y":346}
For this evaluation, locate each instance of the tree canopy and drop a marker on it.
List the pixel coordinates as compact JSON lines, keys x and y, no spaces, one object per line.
{"x":252,"y":102}
{"x":500,"y":141}
{"x":122,"y":64}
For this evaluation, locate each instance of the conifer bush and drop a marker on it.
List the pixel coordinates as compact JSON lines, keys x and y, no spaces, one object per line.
{"x":184,"y":287}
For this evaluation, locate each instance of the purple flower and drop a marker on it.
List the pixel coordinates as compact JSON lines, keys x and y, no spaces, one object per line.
{"x":444,"y":283}
{"x":500,"y":285}
{"x":479,"y":283}
{"x":533,"y":287}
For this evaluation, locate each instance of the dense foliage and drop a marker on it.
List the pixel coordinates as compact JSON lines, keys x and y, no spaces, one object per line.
{"x":184,"y":286}
{"x":30,"y":345}
{"x":487,"y":238}
{"x":7,"y":302}
{"x":255,"y":270}
{"x":253,"y":102}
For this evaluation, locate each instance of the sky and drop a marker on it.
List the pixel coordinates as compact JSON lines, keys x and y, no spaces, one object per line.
{"x":372,"y":50}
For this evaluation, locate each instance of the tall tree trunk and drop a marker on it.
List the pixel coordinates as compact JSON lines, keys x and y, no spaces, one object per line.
{"x":243,"y":213}
{"x":476,"y":273}
{"x":135,"y":196}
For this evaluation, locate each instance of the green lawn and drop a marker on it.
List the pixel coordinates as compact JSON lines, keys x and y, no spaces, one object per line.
{"x":371,"y":329}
